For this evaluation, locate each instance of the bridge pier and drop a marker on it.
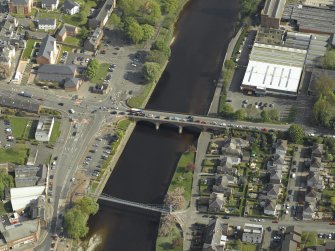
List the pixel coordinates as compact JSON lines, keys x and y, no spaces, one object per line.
{"x":157,"y":125}
{"x":180,"y":129}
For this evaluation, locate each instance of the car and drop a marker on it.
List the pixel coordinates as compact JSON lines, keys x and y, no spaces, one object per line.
{"x":260,"y":103}
{"x":275,"y":221}
{"x":113,"y":66}
{"x":74,"y":133}
{"x":114,"y":112}
{"x":117,"y":48}
{"x":61,"y":104}
{"x":265,"y":104}
{"x":332,"y":223}
{"x":225,"y":217}
{"x":228,"y":100}
{"x":132,"y":64}
{"x":256,"y":103}
{"x":268,"y":228}
{"x":245,"y":101}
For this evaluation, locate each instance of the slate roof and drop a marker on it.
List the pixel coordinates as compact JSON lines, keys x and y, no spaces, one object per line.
{"x":20,"y":2}
{"x":47,"y":21}
{"x":48,"y":2}
{"x":281,"y":145}
{"x":71,"y":82}
{"x":57,"y":69}
{"x":316,"y":162}
{"x":271,"y":206}
{"x":273,"y":189}
{"x":46,"y":47}
{"x":69,"y":4}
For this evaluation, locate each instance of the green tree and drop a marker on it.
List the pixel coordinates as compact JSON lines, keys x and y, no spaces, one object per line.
{"x":148,"y":31}
{"x":169,"y":6}
{"x":227,"y":110}
{"x":322,"y":111}
{"x":149,"y":12}
{"x":329,"y":60}
{"x":296,"y":133}
{"x":87,"y":205}
{"x":151,"y":71}
{"x":75,"y":223}
{"x":6,"y":181}
{"x":324,"y":86}
{"x":116,"y":21}
{"x":162,"y":46}
{"x":92,"y":68}
{"x":135,"y":32}
{"x":265,"y":116}
{"x":240,"y":114}
{"x":273,"y":114}
{"x":157,"y":57}
{"x":84,"y":33}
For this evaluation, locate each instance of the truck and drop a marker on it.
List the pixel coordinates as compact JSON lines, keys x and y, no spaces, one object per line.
{"x":26,"y":94}
{"x":135,"y":110}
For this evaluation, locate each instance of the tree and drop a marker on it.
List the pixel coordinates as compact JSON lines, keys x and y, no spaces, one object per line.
{"x":149,"y":12}
{"x":296,"y":133}
{"x":75,"y":223}
{"x":116,"y":21}
{"x":176,"y":242}
{"x":92,"y":68}
{"x":265,"y":116}
{"x":157,"y":57}
{"x":135,"y":31}
{"x":166,"y":225}
{"x":322,"y":111}
{"x":83,"y":33}
{"x":227,"y":110}
{"x":161,"y":46}
{"x":148,"y":31}
{"x":190,"y":167}
{"x":26,"y":35}
{"x":151,"y":71}
{"x":240,"y":114}
{"x":6,"y":181}
{"x":175,"y":198}
{"x":87,"y":205}
{"x":169,"y":6}
{"x":329,"y":60}
{"x":324,"y":86}
{"x":273,"y":114}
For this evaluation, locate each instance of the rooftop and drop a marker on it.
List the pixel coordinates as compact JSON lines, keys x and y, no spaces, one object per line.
{"x":274,"y":8}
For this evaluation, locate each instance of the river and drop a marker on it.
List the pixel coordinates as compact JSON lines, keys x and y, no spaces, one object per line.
{"x":145,"y":169}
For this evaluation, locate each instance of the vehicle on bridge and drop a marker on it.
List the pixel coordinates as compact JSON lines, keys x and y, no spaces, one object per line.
{"x":134,"y":110}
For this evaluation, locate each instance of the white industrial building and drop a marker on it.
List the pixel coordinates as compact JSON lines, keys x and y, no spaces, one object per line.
{"x":21,"y":197}
{"x":274,"y":69}
{"x":44,"y":128}
{"x":252,"y":233}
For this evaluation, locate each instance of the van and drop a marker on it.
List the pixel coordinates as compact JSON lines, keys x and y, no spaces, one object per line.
{"x":45,"y":87}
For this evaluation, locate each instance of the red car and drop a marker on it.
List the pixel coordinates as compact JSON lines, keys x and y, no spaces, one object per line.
{"x":274,"y":221}
{"x":332,"y":223}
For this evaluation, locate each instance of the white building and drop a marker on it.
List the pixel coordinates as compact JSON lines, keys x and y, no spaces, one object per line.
{"x":50,"y":4}
{"x":70,"y":7}
{"x":47,"y":24}
{"x":44,"y":128}
{"x":22,"y":196}
{"x":252,"y":233}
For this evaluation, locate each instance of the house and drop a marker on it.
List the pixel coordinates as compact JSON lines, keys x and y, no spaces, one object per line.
{"x":226,"y":170}
{"x":252,"y":233}
{"x":22,"y":7}
{"x":18,"y":235}
{"x":272,"y":191}
{"x":315,"y":180}
{"x":37,"y":208}
{"x":44,"y":129}
{"x":308,"y":211}
{"x":275,"y":176}
{"x":72,"y":84}
{"x":311,"y":195}
{"x":270,"y":208}
{"x":94,"y":40}
{"x":292,"y":239}
{"x":48,"y":51}
{"x":281,"y":147}
{"x":46,"y":24}
{"x":233,"y":146}
{"x":316,"y":164}
{"x":7,"y":54}
{"x":70,"y":7}
{"x":50,"y":4}
{"x":66,"y":30}
{"x":317,"y":150}
{"x":26,"y":176}
{"x":56,"y":73}
{"x":275,"y":163}
{"x":101,"y":15}
{"x":216,"y":235}
{"x":21,"y":197}
{"x":226,"y":180}
{"x":216,"y":202}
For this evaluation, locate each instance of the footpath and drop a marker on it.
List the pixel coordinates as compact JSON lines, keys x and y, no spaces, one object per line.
{"x":214,"y":108}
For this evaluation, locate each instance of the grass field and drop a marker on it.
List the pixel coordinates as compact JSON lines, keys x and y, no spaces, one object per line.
{"x":165,"y":243}
{"x":19,"y":126}
{"x":101,"y":74}
{"x":29,"y":48}
{"x":123,"y":124}
{"x":138,"y":101}
{"x":16,"y":154}
{"x":182,"y":177}
{"x":55,"y":132}
{"x":75,"y":41}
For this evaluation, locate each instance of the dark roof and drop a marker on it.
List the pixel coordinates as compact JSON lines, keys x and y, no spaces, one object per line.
{"x":48,"y":2}
{"x":47,"y":21}
{"x":69,"y":4}
{"x":46,"y":47}
{"x":104,"y":11}
{"x":20,"y":2}
{"x":71,"y":82}
{"x":57,"y":69}
{"x":17,"y":102}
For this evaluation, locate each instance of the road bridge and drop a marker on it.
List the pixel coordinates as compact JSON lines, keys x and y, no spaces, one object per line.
{"x":203,"y":123}
{"x":164,"y":209}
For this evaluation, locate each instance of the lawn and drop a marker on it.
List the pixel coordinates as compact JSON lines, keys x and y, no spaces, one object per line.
{"x":19,"y":126}
{"x":48,"y":14}
{"x":308,"y":239}
{"x":165,"y":243}
{"x":29,"y":48}
{"x":78,"y":19}
{"x":238,"y":245}
{"x":182,"y":177}
{"x":123,"y":124}
{"x":138,"y":101}
{"x":55,"y":132}
{"x":208,"y":162}
{"x":101,"y":74}
{"x":17,"y":154}
{"x":75,"y":41}
{"x":328,"y":192}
